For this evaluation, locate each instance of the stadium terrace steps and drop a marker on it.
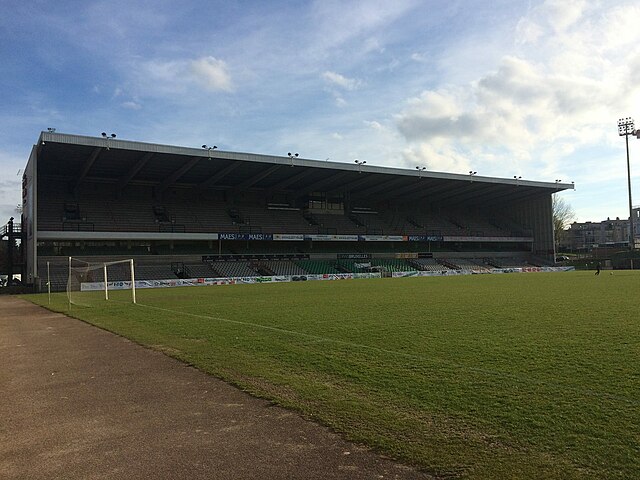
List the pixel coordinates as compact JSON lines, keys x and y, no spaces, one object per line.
{"x":233,"y":269}
{"x":431,"y":264}
{"x":154,"y":272}
{"x":198,"y":270}
{"x":250,"y":268}
{"x":100,"y":209}
{"x":338,"y":224}
{"x":282,"y":267}
{"x":317,"y":267}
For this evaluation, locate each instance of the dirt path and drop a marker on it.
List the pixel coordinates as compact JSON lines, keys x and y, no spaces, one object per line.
{"x":77,"y":402}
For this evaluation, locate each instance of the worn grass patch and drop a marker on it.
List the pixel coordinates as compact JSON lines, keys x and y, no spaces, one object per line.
{"x":495,"y":376}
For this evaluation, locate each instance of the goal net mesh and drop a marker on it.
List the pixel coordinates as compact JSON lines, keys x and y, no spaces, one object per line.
{"x":90,"y":283}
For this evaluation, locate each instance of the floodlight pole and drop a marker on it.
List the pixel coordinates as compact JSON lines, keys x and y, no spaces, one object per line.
{"x":631,"y":236}
{"x":625,"y":128}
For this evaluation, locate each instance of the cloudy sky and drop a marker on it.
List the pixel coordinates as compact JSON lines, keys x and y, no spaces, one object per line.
{"x":504,"y":87}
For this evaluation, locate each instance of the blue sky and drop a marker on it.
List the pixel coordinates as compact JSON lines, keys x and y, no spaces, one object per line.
{"x":507,"y":87}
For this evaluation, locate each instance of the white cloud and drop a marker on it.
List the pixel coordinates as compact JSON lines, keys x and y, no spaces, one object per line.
{"x":443,"y":159}
{"x":556,"y":94}
{"x":212,"y":74}
{"x":336,"y":80}
{"x":374,"y":125}
{"x":131,"y":105}
{"x":180,"y":76}
{"x":419,"y":57}
{"x":338,"y":22}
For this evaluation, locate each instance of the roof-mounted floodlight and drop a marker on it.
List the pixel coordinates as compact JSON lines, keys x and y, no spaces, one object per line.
{"x":209,"y":148}
{"x":292,"y":156}
{"x":360,"y":163}
{"x":108,"y":137}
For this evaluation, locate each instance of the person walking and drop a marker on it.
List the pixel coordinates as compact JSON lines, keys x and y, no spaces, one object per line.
{"x":598,"y":269}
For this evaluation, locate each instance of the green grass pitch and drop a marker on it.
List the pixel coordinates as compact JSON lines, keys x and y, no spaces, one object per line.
{"x":483,"y":377}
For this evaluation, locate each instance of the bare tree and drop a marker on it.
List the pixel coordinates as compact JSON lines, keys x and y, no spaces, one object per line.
{"x":563,"y":215}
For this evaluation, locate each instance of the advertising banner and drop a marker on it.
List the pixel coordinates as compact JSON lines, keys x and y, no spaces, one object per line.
{"x":354,"y":256}
{"x":245,"y":236}
{"x":288,"y":237}
{"x":407,"y":255}
{"x":332,"y":238}
{"x":413,"y":273}
{"x":424,"y":238}
{"x":381,"y":238}
{"x":193,"y":282}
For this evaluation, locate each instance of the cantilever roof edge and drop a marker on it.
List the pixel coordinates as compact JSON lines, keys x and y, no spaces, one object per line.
{"x":116,"y":143}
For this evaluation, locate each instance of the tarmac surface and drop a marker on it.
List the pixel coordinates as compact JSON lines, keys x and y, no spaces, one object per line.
{"x":77,"y":402}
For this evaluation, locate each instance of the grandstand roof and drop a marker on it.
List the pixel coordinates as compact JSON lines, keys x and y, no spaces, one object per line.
{"x":123,"y":162}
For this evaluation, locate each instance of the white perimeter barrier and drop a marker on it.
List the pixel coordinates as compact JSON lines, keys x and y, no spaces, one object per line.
{"x":197,"y":282}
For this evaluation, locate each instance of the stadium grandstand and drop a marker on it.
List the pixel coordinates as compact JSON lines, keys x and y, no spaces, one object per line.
{"x":183,"y":212}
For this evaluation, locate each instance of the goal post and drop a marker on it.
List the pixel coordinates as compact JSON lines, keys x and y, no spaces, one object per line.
{"x":132,"y":277}
{"x":87,"y":279}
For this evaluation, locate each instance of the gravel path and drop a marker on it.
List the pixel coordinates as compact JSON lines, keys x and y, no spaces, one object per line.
{"x":77,"y":402}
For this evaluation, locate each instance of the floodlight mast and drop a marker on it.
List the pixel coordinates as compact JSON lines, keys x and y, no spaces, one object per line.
{"x":626,"y":128}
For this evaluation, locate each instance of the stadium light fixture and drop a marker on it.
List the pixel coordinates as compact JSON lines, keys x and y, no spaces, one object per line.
{"x":360,"y":163}
{"x":626,"y":128}
{"x":107,"y":137}
{"x":51,"y":130}
{"x":517,"y":179}
{"x":292,"y":156}
{"x":209,"y":148}
{"x":471,"y":174}
{"x":420,"y":170}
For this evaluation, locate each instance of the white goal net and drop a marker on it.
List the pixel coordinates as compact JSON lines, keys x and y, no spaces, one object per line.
{"x":92,"y":282}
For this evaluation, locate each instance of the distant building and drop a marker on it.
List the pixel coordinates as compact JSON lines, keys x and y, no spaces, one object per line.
{"x":586,"y":235}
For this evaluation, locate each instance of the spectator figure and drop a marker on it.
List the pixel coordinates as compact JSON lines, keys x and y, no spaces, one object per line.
{"x":598,"y":269}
